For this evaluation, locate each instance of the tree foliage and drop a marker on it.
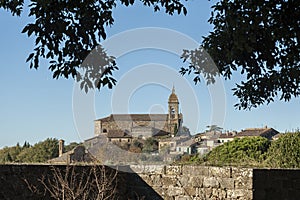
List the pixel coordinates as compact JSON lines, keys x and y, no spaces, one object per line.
{"x":214,"y":128}
{"x":245,"y":151}
{"x":39,"y":152}
{"x":67,"y":31}
{"x":285,"y":152}
{"x":150,"y":145}
{"x":259,"y":39}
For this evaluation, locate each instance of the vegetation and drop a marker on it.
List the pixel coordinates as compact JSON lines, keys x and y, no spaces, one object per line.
{"x":285,"y":152}
{"x":66,"y":32}
{"x":213,"y":128}
{"x":148,"y":145}
{"x":258,"y":39}
{"x":245,"y":151}
{"x":75,"y":182}
{"x":40,"y":152}
{"x":254,"y":152}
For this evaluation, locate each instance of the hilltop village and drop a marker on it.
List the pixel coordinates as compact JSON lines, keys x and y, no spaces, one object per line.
{"x":135,"y":138}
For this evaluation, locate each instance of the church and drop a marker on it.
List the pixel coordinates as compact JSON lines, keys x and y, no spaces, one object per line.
{"x":142,"y":125}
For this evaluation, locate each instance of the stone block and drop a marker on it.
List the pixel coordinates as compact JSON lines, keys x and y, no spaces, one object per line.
{"x":169,"y":180}
{"x":201,"y":193}
{"x":190,"y":191}
{"x":218,"y":193}
{"x":156,"y":180}
{"x":148,"y":169}
{"x":237,"y":193}
{"x":222,"y":172}
{"x":195,"y":170}
{"x":197,"y":181}
{"x":174,"y":191}
{"x":210,"y":182}
{"x":183,"y":198}
{"x":184,"y":181}
{"x":174,"y":170}
{"x":226,"y":183}
{"x":243,"y":183}
{"x":242,"y":172}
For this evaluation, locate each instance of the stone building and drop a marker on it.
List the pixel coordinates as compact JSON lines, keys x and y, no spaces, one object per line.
{"x":266,"y":132}
{"x":143,"y":125}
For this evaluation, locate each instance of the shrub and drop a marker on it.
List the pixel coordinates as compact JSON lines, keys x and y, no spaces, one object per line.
{"x":248,"y":151}
{"x":285,"y":152}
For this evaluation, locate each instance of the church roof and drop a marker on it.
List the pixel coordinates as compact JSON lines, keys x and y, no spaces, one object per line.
{"x":135,"y":117}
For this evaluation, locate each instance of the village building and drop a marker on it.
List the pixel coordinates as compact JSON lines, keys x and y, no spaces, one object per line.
{"x":77,"y":155}
{"x":187,"y":147}
{"x":170,"y":144}
{"x":266,"y":132}
{"x":143,"y":125}
{"x":227,"y":137}
{"x":119,"y":136}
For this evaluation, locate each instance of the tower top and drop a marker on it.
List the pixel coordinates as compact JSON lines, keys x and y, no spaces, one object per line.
{"x":173,"y":97}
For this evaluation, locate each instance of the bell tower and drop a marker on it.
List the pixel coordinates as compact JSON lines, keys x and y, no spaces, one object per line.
{"x":173,"y":113}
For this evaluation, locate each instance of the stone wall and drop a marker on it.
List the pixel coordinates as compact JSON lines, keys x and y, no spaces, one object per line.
{"x":169,"y":182}
{"x":198,"y":182}
{"x":129,"y":125}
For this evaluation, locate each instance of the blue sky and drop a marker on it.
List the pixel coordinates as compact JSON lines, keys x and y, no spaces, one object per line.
{"x":33,"y":106}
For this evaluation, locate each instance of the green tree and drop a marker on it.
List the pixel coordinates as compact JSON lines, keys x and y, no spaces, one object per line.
{"x":26,"y":145}
{"x":285,"y":152}
{"x":66,"y":31}
{"x":214,"y":128}
{"x":40,"y":152}
{"x":150,"y":145}
{"x":260,"y":40}
{"x":7,"y":158}
{"x":246,"y":151}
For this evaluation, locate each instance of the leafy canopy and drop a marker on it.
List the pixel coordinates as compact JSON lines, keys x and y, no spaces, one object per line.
{"x":39,"y":152}
{"x":67,"y":31}
{"x":259,"y":39}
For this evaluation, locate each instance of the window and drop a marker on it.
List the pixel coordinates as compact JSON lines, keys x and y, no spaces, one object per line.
{"x":173,"y":112}
{"x":104,"y":130}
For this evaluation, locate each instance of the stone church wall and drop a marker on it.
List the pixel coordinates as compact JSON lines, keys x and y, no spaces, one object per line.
{"x":128,"y":125}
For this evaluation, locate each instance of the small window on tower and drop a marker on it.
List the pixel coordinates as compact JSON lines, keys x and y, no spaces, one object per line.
{"x":172,"y":112}
{"x":104,"y":131}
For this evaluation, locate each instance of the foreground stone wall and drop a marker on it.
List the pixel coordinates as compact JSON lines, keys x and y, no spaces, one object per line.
{"x":167,"y":182}
{"x":198,"y":182}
